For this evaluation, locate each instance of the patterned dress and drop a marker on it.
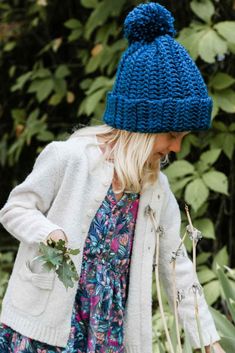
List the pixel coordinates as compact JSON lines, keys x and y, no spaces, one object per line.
{"x":99,"y":307}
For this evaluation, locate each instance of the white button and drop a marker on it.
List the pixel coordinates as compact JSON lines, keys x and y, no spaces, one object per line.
{"x":90,"y":213}
{"x":99,"y":198}
{"x":84,"y":228}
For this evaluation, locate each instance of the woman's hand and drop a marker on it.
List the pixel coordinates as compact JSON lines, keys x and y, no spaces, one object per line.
{"x":217,"y":348}
{"x":56,"y":235}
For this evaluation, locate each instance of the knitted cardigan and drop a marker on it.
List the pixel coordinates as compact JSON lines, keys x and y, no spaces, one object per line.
{"x":64,"y":191}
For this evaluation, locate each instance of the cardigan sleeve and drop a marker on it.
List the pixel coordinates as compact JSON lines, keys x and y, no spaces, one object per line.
{"x":24,"y":213}
{"x":186,"y":280}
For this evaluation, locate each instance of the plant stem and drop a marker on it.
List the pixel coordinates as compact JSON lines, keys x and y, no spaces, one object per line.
{"x":195,"y":274}
{"x":150,"y":211}
{"x":176,"y":308}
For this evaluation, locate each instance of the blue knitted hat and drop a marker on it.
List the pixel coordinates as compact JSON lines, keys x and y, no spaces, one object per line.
{"x":158,"y":87}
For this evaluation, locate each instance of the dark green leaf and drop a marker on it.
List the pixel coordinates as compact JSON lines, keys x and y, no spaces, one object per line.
{"x":73,"y":23}
{"x":62,"y":71}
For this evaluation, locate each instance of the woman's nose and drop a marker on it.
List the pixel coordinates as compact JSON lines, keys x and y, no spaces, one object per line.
{"x":175,"y":145}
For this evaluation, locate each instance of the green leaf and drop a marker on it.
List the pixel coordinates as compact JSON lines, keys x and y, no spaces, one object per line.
{"x":231,"y":47}
{"x":212,"y":291}
{"x":221,"y":81}
{"x":203,"y":9}
{"x":216,"y":181}
{"x":221,"y":258}
{"x":190,"y":38}
{"x":215,"y":109}
{"x":21,"y":80}
{"x":210,"y":157}
{"x":66,"y":273}
{"x":224,"y":326}
{"x":93,"y":100}
{"x":227,"y":289}
{"x":9,"y":46}
{"x":55,"y":99}
{"x":211,"y":45}
{"x":62,"y":71}
{"x":50,"y":255}
{"x":60,"y":86}
{"x":196,"y":193}
{"x":179,"y":169}
{"x":41,"y":73}
{"x":98,"y":83}
{"x":178,"y":185}
{"x":203,"y":257}
{"x":228,"y":343}
{"x":205,"y":275}
{"x":185,"y":148}
{"x":226,"y":29}
{"x":93,"y":63}
{"x":90,"y":4}
{"x":101,"y":13}
{"x":218,"y":140}
{"x":73,"y":23}
{"x":45,"y":136}
{"x":228,"y":146}
{"x":232,"y":127}
{"x":206,"y":226}
{"x":226,"y":100}
{"x":42,"y":88}
{"x":219,"y":125}
{"x":75,"y":34}
{"x":74,"y":251}
{"x":19,"y":115}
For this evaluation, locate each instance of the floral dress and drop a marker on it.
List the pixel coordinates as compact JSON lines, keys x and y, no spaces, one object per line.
{"x":99,"y":307}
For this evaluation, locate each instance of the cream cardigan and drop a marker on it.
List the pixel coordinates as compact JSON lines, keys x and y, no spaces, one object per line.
{"x":64,"y":191}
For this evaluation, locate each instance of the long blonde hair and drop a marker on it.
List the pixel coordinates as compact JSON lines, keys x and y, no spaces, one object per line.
{"x":131,"y":152}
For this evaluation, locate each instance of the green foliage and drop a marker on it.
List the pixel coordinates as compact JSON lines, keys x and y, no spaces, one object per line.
{"x":57,"y":63}
{"x":56,"y":257}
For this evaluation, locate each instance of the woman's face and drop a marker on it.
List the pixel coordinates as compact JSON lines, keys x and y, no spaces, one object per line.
{"x":167,"y":142}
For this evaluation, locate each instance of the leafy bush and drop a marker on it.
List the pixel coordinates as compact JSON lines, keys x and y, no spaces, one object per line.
{"x":57,"y":62}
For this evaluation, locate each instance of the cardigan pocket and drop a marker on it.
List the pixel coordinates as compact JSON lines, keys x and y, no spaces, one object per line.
{"x":32,"y":290}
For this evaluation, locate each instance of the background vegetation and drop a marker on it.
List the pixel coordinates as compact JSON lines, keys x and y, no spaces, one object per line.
{"x":58,"y":60}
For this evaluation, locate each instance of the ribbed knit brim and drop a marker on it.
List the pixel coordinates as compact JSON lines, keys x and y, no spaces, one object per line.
{"x":141,"y":115}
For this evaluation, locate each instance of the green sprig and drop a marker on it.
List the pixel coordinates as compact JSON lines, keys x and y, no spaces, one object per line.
{"x":56,"y":256}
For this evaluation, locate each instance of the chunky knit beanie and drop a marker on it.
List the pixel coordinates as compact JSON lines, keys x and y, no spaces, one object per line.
{"x":158,"y":87}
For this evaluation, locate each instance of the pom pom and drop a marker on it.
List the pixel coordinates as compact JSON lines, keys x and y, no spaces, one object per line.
{"x":148,"y":21}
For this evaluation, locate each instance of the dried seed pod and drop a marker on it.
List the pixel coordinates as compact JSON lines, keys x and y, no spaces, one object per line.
{"x":194,"y":234}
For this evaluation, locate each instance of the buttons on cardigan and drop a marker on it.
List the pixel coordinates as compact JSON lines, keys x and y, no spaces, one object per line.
{"x":84,"y":228}
{"x":158,"y":196}
{"x":99,"y":198}
{"x":106,"y":183}
{"x":90,"y":213}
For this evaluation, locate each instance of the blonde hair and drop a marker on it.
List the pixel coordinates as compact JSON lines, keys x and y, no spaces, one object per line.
{"x":131,"y":153}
